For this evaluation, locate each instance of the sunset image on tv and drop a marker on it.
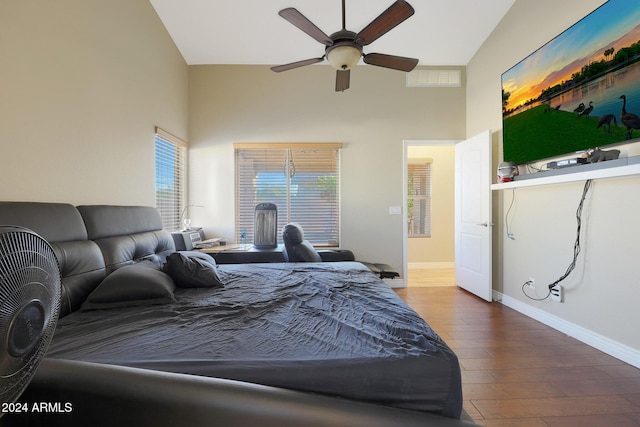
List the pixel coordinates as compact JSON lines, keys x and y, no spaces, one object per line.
{"x":579,"y":91}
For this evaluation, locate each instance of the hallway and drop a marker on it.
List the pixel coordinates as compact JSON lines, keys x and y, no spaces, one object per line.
{"x":431,"y":277}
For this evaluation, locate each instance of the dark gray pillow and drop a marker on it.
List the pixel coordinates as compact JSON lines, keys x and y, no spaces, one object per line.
{"x":192,"y":269}
{"x":132,"y":285}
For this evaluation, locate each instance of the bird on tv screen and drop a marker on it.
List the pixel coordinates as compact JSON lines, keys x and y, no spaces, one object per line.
{"x":579,"y":91}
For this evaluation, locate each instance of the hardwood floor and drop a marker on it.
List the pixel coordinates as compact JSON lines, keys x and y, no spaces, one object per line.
{"x":518,"y":372}
{"x":431,"y":277}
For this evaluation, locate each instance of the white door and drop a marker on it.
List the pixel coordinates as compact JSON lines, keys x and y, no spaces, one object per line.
{"x":473,"y":215}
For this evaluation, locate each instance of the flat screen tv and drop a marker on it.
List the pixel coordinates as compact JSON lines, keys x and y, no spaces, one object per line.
{"x":572,"y":93}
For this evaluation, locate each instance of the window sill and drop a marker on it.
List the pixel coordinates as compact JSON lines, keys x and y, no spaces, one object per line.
{"x":610,"y":169}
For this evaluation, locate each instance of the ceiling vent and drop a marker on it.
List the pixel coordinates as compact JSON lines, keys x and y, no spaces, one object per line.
{"x":434,"y":78}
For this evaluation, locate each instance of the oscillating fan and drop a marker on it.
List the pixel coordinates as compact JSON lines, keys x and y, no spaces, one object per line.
{"x":29,"y":306}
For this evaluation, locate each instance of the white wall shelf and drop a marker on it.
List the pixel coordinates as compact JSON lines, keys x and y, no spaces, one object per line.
{"x":576,"y":173}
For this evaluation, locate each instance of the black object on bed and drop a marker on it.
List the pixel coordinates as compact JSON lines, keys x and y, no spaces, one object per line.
{"x":331,"y":328}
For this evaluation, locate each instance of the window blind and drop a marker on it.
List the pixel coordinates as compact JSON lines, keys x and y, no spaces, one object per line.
{"x":419,"y":199}
{"x":303,"y":180}
{"x":170,"y":178}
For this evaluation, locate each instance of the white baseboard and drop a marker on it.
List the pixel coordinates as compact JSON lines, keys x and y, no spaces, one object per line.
{"x":395,"y":283}
{"x":430,"y":265}
{"x":613,"y":348}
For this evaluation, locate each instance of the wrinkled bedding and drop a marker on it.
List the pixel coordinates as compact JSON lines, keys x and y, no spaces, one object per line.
{"x":331,"y":328}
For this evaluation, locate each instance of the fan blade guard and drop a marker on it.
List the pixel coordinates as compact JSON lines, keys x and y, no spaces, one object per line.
{"x":30,"y":291}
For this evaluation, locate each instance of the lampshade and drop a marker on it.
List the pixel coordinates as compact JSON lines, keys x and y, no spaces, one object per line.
{"x":344,"y":57}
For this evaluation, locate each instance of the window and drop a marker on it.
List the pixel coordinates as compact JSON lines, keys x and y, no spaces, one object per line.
{"x":171,"y":154}
{"x":303,"y":180}
{"x":419,"y":199}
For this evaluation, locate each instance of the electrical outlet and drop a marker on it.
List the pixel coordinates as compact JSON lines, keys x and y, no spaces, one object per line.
{"x":557,"y":293}
{"x":532,"y":283}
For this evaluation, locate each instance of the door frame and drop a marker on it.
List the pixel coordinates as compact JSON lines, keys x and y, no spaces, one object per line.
{"x":405,"y":218}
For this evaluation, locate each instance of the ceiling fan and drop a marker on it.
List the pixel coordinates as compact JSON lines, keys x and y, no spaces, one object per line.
{"x":344,"y":48}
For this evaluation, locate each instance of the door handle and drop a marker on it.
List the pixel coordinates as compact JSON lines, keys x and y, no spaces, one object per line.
{"x":486,"y":224}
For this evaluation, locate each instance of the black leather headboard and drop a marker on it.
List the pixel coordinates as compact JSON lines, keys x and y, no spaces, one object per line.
{"x":54,"y":222}
{"x":127,"y":234}
{"x":108,"y":220}
{"x":91,"y":241}
{"x":81,"y":263}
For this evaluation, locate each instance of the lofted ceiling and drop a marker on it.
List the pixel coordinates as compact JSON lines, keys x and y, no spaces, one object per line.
{"x":441,"y":33}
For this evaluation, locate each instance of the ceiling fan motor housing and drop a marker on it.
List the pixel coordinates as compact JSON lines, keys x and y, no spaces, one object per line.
{"x":344,"y":48}
{"x":345,"y":52}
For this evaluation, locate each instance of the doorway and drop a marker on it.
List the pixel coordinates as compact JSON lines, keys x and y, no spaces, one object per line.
{"x":429,"y":205}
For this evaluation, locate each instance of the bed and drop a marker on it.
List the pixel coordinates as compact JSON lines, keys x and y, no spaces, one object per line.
{"x":332,"y":329}
{"x":329,"y":328}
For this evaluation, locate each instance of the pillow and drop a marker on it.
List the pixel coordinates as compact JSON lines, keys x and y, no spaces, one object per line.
{"x":192,"y":269}
{"x":132,"y":285}
{"x":296,"y":248}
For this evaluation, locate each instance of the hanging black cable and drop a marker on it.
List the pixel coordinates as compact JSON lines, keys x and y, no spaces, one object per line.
{"x":576,"y":246}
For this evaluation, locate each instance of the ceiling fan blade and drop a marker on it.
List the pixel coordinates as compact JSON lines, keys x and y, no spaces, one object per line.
{"x":342,"y":80}
{"x":297,"y":64}
{"x":390,"y":18}
{"x":390,"y":61}
{"x":299,"y":20}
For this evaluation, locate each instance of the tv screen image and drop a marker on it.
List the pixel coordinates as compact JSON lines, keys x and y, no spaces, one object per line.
{"x":569,"y":95}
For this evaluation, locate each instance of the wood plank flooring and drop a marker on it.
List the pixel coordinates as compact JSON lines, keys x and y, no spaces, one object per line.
{"x":518,"y":372}
{"x":431,"y":277}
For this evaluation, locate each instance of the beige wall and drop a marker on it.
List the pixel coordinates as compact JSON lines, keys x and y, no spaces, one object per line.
{"x":230,"y":104}
{"x":439,"y":247}
{"x":82,"y":85}
{"x":602,"y":292}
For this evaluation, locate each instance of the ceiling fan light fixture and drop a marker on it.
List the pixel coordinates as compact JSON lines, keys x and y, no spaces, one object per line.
{"x":344,"y":57}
